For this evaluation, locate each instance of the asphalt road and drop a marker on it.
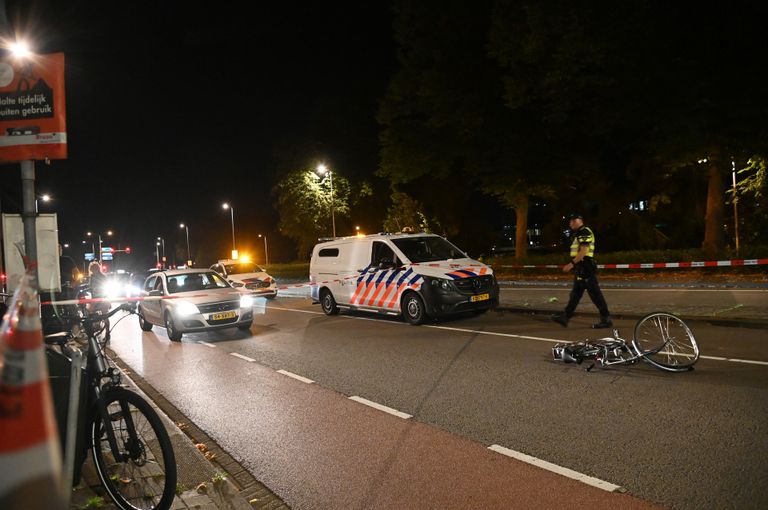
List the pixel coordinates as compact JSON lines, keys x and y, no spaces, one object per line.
{"x":688,"y":440}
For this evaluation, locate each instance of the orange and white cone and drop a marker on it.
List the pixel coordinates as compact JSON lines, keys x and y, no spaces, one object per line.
{"x":30,"y":453}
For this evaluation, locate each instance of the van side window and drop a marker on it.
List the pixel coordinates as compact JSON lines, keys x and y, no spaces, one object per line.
{"x":328,"y":252}
{"x":381,"y":253}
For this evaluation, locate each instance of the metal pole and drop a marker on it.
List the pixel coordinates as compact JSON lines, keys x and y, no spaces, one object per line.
{"x":333,"y":217}
{"x":189,"y":253}
{"x":29,"y":216}
{"x":735,"y":207}
{"x":232,"y":212}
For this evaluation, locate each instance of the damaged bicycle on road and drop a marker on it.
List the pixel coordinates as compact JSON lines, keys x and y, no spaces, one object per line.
{"x":661,"y":339}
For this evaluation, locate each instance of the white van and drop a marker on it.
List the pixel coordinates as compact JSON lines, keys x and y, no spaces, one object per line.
{"x":414,"y":275}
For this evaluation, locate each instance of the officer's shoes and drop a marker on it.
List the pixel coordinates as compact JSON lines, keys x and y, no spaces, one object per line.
{"x":560,"y":319}
{"x":604,"y":323}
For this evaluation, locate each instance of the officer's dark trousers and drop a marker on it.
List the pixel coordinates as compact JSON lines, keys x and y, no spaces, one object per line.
{"x":591,"y":285}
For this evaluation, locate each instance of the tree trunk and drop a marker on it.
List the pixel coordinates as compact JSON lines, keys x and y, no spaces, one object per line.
{"x":714,"y":239}
{"x":521,"y":232}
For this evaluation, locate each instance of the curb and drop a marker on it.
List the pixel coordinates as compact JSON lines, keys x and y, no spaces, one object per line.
{"x":732,"y":323}
{"x":258,"y":495}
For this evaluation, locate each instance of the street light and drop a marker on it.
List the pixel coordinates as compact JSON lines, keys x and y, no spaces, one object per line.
{"x":322,"y":170}
{"x":161,"y":239}
{"x":735,"y":206}
{"x":45,"y":198}
{"x":189,"y":256}
{"x":232,"y":213}
{"x":266,"y":253}
{"x":108,"y":233}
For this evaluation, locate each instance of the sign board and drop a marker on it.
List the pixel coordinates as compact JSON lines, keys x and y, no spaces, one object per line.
{"x":47,"y":251}
{"x":32,"y":108}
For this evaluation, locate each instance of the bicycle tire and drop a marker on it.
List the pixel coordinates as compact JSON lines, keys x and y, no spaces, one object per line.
{"x":147,"y":481}
{"x":666,"y":342}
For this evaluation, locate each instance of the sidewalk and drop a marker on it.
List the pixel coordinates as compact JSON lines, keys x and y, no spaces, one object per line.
{"x":719,"y":307}
{"x":208,"y":478}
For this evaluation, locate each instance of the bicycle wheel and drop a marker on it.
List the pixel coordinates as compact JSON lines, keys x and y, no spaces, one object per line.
{"x":666,"y":342}
{"x":146,"y":478}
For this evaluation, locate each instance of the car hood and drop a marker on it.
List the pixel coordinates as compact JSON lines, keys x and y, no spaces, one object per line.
{"x":247,"y":277}
{"x":201,"y":297}
{"x":455,"y":269}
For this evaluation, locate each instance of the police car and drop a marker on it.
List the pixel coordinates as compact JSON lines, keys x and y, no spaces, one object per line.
{"x":417,"y":276}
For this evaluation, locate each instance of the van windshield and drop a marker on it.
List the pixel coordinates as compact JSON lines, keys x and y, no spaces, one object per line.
{"x":428,"y":249}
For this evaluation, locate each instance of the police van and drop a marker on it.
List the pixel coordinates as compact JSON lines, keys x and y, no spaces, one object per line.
{"x":418,"y":276}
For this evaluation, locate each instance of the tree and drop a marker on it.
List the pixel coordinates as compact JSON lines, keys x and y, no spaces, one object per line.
{"x":305,"y":205}
{"x":405,"y":212}
{"x":444,"y":121}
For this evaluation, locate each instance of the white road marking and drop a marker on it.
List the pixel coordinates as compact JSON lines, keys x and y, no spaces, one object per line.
{"x":297,"y":377}
{"x":246,"y":358}
{"x":543,"y":464}
{"x":735,"y":360}
{"x":207,"y":344}
{"x":380,"y":407}
{"x":506,"y":335}
{"x":611,"y":289}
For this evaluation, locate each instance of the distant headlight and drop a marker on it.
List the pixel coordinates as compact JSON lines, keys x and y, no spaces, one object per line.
{"x":112,"y":289}
{"x":246,"y":301}
{"x":186,"y":308}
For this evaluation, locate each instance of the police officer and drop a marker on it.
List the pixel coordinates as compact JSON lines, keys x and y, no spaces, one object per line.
{"x":585,"y":274}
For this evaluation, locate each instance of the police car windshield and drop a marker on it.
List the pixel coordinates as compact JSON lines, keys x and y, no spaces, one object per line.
{"x":242,"y":268}
{"x":428,"y":249}
{"x":195,"y":281}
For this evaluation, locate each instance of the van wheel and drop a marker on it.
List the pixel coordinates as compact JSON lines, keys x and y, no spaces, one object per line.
{"x":413,"y":309}
{"x":328,"y":303}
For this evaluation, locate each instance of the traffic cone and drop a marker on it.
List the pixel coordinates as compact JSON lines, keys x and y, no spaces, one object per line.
{"x":30,"y":453}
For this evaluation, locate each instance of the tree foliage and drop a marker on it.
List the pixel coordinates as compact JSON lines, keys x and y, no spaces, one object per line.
{"x":305,"y":205}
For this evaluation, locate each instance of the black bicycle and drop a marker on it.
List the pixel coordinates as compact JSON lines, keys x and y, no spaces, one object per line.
{"x":660,"y":338}
{"x":131,"y":449}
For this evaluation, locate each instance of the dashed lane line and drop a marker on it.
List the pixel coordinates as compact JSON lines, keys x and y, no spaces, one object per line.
{"x":494,"y":333}
{"x":381,"y":407}
{"x":246,"y":358}
{"x":295,"y":376}
{"x":560,"y":470}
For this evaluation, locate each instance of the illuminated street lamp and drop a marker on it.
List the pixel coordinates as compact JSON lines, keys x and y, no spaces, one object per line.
{"x":266,"y":253}
{"x":321,"y":171}
{"x":189,"y":256}
{"x":108,"y":233}
{"x":225,"y":205}
{"x":45,"y":198}
{"x":162,"y":240}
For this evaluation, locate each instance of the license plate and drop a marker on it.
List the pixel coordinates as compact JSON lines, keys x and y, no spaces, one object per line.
{"x":480,"y":297}
{"x":221,"y":316}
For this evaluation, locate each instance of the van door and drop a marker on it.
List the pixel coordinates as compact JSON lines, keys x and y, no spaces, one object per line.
{"x":377,"y":282}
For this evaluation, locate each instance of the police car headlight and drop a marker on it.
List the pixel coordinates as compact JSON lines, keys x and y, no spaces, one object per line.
{"x":246,"y":301}
{"x":441,"y":283}
{"x":185,"y":308}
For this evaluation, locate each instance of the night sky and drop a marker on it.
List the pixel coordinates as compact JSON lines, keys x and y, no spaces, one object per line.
{"x":173,"y":109}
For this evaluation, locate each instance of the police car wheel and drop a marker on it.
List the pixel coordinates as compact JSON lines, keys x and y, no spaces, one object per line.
{"x":413,"y":309}
{"x":328,"y":303}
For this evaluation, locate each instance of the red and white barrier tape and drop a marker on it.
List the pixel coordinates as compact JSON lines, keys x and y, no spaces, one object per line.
{"x":661,"y":265}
